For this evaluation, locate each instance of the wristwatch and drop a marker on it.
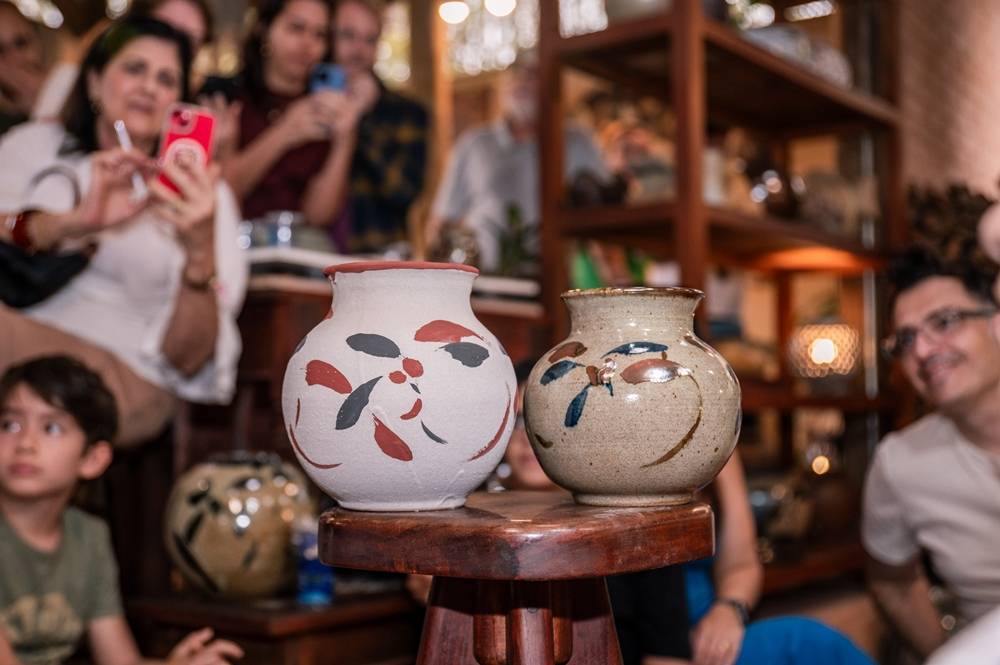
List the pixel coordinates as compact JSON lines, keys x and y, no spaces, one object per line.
{"x":742,"y":609}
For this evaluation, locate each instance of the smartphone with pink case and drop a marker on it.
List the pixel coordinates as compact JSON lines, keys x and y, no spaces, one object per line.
{"x":187,"y":135}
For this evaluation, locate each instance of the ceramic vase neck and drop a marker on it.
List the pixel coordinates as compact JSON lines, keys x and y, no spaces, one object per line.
{"x":363,"y":289}
{"x":668,"y":310}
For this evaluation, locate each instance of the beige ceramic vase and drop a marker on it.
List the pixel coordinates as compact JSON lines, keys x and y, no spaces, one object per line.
{"x":632,"y":409}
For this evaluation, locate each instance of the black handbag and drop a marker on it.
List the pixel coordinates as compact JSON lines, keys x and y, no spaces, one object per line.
{"x":29,"y":278}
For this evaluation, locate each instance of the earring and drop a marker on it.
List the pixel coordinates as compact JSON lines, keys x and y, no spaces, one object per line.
{"x":95,"y":107}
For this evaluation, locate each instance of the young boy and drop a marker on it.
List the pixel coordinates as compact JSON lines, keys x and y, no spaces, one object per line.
{"x":58,"y":577}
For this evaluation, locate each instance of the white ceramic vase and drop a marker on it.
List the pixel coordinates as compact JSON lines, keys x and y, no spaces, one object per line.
{"x":401,"y":399}
{"x":632,"y":409}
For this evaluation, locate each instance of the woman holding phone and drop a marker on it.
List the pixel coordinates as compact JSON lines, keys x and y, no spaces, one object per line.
{"x":293,"y":144}
{"x":154,"y":310}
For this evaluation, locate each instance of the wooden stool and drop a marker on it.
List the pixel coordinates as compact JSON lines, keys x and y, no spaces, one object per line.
{"x":519,"y":576}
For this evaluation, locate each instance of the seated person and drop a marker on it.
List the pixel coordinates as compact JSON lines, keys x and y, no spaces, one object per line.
{"x":493,"y":170}
{"x":933,"y":486}
{"x":154,"y":312}
{"x":58,"y":578}
{"x":293,"y":146}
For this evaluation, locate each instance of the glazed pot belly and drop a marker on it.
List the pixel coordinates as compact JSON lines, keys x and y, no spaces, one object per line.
{"x":632,"y":409}
{"x":402,"y":399}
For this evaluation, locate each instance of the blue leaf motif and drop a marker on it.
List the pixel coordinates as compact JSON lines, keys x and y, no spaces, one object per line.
{"x":575,"y":410}
{"x":355,"y":403}
{"x":558,"y":371}
{"x":374,"y":345}
{"x":635,"y":348}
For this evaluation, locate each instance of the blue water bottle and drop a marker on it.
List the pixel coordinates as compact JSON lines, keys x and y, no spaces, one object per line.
{"x":315,"y":578}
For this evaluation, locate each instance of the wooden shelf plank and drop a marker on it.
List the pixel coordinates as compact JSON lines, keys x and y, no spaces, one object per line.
{"x":757,"y":63}
{"x":733,"y":234}
{"x":636,"y":54}
{"x":759,"y":395}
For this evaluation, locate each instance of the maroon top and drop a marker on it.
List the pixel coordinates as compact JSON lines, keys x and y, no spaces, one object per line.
{"x":284,"y":185}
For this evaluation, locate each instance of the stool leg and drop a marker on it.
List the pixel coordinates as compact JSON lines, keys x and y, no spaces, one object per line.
{"x":595,"y":641}
{"x":529,"y":624}
{"x":448,"y":624}
{"x":489,"y":627}
{"x":562,"y":622}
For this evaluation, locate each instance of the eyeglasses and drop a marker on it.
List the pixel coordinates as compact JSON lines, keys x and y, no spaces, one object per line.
{"x":938,"y":325}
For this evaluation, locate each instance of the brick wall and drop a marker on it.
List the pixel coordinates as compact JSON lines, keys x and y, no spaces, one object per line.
{"x":950,"y":92}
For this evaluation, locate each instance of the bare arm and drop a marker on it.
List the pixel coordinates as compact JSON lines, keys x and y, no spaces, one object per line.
{"x":717,"y":637}
{"x":903,"y":594}
{"x":738,"y":571}
{"x":194,"y":325}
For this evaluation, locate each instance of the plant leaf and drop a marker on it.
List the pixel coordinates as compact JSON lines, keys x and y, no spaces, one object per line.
{"x":557,"y":371}
{"x":575,"y":410}
{"x":467,"y":353}
{"x":355,"y":403}
{"x":635,"y":348}
{"x":374,"y":345}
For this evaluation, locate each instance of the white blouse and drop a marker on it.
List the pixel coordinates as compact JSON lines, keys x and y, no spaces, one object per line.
{"x":124,"y":299}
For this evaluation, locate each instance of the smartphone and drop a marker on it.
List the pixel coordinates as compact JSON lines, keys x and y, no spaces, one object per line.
{"x":186,"y":136}
{"x":327,"y":76}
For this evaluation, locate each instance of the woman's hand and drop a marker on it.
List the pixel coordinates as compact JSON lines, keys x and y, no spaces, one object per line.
{"x":717,"y":638}
{"x":305,"y":120}
{"x":110,"y":199}
{"x":191,"y":211}
{"x":227,"y":124}
{"x":198,"y":648}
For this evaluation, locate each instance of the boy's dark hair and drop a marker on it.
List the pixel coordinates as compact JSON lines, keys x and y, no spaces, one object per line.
{"x":67,"y":384}
{"x":79,"y":115}
{"x":919,"y":263}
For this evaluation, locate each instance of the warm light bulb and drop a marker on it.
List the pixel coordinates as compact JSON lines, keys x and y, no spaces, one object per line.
{"x":820,"y":465}
{"x":823,"y":351}
{"x":453,"y":12}
{"x":500,"y":8}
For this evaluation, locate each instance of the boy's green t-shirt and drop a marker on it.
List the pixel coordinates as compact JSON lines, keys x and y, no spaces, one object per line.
{"x":47,"y":599}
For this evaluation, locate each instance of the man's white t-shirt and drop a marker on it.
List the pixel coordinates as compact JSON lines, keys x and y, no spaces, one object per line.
{"x":930,"y":489}
{"x":490,"y":170}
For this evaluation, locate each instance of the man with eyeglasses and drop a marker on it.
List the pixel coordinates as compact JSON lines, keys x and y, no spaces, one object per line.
{"x":934,"y":487}
{"x":386,"y":173}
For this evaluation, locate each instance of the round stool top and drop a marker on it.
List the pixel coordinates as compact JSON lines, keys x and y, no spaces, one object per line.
{"x":518,"y":536}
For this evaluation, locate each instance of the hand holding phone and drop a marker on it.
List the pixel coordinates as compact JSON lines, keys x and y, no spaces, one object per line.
{"x":327,"y":76}
{"x":187,"y":138}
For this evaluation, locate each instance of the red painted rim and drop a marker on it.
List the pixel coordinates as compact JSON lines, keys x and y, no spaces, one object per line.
{"x":365,"y":266}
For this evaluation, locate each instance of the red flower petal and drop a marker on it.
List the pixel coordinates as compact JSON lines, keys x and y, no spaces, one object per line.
{"x":397,"y":377}
{"x":324,"y":374}
{"x":413,"y":367}
{"x":414,"y":410}
{"x":390,"y":444}
{"x":443,"y":331}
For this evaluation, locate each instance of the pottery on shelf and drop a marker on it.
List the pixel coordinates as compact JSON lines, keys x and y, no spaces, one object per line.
{"x":400,"y":399}
{"x":632,"y":409}
{"x":229,"y":524}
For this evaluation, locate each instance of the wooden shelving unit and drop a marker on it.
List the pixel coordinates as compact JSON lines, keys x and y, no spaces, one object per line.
{"x":713,"y":77}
